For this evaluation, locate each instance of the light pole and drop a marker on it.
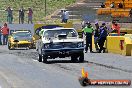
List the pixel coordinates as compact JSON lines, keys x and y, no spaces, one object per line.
{"x":45,"y":8}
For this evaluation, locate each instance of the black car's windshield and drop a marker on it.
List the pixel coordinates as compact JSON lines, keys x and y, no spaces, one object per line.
{"x":22,"y":34}
{"x":55,"y":33}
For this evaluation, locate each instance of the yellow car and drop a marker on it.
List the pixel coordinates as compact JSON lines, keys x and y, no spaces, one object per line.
{"x":21,"y":39}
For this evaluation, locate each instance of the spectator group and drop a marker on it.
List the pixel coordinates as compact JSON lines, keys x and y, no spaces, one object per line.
{"x":21,"y":12}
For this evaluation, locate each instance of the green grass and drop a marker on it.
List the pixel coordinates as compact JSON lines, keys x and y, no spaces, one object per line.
{"x":38,"y":7}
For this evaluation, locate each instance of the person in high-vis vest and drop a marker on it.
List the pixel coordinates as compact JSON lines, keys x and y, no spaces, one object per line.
{"x":88,"y":31}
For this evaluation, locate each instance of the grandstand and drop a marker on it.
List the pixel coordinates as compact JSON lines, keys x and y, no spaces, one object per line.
{"x":116,"y":12}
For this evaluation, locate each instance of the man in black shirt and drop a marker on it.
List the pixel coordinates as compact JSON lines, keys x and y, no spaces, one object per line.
{"x":96,"y":36}
{"x":21,"y":15}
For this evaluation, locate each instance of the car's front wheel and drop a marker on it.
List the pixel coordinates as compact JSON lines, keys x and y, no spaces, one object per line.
{"x":40,"y":58}
{"x":9,"y":46}
{"x":74,"y":58}
{"x":81,"y":57}
{"x":44,"y":59}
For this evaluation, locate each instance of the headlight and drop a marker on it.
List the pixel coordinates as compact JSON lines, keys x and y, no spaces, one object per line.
{"x":46,"y":46}
{"x":29,"y":40}
{"x":80,"y":44}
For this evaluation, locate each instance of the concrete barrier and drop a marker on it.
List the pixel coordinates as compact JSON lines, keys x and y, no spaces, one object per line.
{"x":120,"y":44}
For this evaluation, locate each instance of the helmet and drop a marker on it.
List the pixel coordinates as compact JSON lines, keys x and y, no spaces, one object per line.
{"x":96,"y":23}
{"x":103,"y":23}
{"x":88,"y":23}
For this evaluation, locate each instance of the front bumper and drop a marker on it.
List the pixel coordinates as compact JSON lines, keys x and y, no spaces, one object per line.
{"x":21,"y":45}
{"x":64,"y":52}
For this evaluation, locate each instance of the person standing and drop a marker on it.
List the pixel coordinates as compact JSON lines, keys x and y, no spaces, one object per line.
{"x":0,"y":36}
{"x":112,"y":5}
{"x":66,"y":16}
{"x":62,"y":16}
{"x":102,"y":5}
{"x":96,"y":36}
{"x":5,"y":32}
{"x":102,"y":37}
{"x":116,"y":28}
{"x":130,"y":14}
{"x":83,"y":24}
{"x":30,"y":15}
{"x":88,"y":31}
{"x":9,"y":15}
{"x":120,"y":5}
{"x":21,"y":15}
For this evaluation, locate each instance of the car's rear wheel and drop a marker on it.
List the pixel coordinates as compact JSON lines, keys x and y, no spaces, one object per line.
{"x":81,"y":57}
{"x":40,"y":58}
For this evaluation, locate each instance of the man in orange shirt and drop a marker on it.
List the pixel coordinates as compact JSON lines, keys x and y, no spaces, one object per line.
{"x":5,"y":32}
{"x":116,"y":27}
{"x":0,"y":36}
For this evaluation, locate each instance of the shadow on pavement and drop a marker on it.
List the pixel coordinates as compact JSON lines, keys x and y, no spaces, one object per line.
{"x":20,"y":49}
{"x":61,"y":61}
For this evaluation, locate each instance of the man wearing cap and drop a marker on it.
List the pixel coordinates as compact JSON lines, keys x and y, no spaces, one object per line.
{"x":96,"y":36}
{"x":102,"y":37}
{"x":88,"y":31}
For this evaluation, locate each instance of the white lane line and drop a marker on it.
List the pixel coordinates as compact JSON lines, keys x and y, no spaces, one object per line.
{"x":35,"y":60}
{"x":75,"y":64}
{"x":43,"y":69}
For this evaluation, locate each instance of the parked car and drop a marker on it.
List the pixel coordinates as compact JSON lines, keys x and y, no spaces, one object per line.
{"x":60,"y":42}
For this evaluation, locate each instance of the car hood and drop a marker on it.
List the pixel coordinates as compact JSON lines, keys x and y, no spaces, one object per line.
{"x":62,"y":40}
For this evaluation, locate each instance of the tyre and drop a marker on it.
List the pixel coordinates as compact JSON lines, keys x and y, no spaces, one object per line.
{"x":74,"y":58}
{"x":81,"y":57}
{"x":9,"y":46}
{"x":44,"y":59}
{"x":40,"y":58}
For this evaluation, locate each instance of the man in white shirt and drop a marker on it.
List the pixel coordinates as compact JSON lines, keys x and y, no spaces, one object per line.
{"x":66,"y":16}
